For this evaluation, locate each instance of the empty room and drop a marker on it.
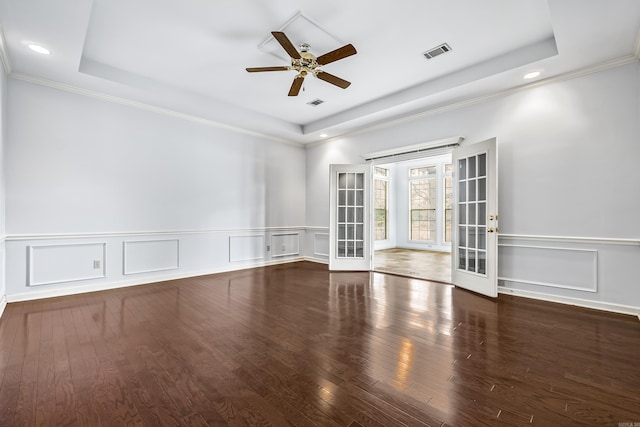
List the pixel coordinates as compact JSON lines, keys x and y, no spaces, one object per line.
{"x":199,"y":199}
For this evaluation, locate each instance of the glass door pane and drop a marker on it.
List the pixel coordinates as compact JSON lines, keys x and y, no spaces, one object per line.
{"x":350,"y":244}
{"x":472,"y":230}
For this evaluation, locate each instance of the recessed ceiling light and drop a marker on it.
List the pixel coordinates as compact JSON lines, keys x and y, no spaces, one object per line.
{"x":531,"y":75}
{"x":323,"y":135}
{"x":39,"y":49}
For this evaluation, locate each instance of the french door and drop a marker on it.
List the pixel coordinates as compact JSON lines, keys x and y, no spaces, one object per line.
{"x":350,"y":224}
{"x":474,"y":249}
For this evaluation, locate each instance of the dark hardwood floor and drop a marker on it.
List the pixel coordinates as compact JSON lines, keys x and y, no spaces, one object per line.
{"x":297,"y":345}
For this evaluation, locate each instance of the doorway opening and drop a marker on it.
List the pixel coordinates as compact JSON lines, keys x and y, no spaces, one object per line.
{"x":412,"y":224}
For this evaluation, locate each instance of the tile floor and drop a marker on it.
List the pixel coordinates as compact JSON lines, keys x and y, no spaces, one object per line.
{"x":414,"y":263}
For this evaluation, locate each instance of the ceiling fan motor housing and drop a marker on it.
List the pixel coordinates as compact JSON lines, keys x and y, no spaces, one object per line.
{"x":307,"y":62}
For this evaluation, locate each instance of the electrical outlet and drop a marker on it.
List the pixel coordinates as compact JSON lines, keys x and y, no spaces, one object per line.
{"x":283,"y":248}
{"x":268,"y":248}
{"x":96,"y":263}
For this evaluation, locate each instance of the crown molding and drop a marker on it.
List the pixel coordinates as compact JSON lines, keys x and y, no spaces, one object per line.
{"x":147,"y":107}
{"x":4,"y":54}
{"x":383,"y":124}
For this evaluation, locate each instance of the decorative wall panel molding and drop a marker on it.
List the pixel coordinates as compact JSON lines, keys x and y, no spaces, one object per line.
{"x":285,"y":244}
{"x":321,"y":244}
{"x":147,"y":256}
{"x":97,"y":234}
{"x":571,"y":239}
{"x":557,"y":267}
{"x":246,"y":248}
{"x":49,"y":264}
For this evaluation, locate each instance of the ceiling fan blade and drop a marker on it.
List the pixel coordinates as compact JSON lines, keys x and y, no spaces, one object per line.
{"x":260,"y":69}
{"x":337,"y":54}
{"x":296,"y":85}
{"x":334,"y":80}
{"x":286,"y":44}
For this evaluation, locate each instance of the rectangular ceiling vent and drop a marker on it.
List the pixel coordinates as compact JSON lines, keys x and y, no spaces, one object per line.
{"x":439,"y":50}
{"x":315,"y":102}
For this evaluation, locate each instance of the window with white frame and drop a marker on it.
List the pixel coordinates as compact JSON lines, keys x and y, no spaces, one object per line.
{"x":381,"y":203}
{"x":448,"y":199}
{"x":423,"y":203}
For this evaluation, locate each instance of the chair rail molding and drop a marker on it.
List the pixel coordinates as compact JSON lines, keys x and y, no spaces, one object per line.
{"x":574,"y":239}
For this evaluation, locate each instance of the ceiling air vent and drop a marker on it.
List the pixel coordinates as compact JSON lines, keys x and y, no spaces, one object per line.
{"x":315,"y":102}
{"x":438,"y":50}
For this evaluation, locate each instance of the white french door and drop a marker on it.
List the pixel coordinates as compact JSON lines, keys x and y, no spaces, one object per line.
{"x":474,"y":249}
{"x":350,"y":224}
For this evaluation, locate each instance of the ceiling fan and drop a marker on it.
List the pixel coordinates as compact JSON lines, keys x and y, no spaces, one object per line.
{"x":306,"y":63}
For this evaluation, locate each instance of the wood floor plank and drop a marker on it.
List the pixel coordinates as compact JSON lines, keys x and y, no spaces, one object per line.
{"x":298,"y":345}
{"x":45,"y":402}
{"x":65,"y":410}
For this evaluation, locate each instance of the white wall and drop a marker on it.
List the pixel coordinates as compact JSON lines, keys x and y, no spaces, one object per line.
{"x":101,"y":173}
{"x":89,"y":180}
{"x":3,"y":128}
{"x":568,"y":154}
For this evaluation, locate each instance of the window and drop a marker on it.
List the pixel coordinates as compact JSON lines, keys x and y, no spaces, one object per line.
{"x":381,"y":190}
{"x":448,"y":197}
{"x":423,"y":203}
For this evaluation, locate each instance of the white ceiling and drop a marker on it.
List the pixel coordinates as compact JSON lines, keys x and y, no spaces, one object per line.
{"x":189,"y":56}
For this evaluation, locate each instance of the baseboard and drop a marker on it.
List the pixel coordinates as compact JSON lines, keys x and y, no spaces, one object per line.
{"x":3,"y":305}
{"x":52,"y":293}
{"x":579,"y":302}
{"x":316,"y":260}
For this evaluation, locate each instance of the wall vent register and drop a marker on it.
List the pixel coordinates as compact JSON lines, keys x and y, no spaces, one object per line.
{"x":437,"y":51}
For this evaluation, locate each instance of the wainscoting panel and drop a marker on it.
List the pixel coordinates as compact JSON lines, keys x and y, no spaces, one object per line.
{"x":49,"y":264}
{"x":285,"y":244}
{"x":246,"y":247}
{"x":566,"y":268}
{"x":147,"y":256}
{"x":321,"y":244}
